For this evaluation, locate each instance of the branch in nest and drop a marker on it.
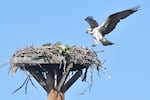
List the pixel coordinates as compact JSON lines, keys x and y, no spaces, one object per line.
{"x":86,"y":89}
{"x":26,"y":81}
{"x":26,"y":86}
{"x":69,"y":83}
{"x":85,"y":74}
{"x":61,"y":83}
{"x":4,"y":64}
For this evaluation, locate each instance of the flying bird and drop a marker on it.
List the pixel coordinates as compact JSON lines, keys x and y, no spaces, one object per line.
{"x":99,"y":31}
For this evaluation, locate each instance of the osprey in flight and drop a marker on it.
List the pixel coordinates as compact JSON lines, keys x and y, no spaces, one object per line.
{"x":99,"y":31}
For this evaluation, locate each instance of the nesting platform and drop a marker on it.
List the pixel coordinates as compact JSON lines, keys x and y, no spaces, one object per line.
{"x":50,"y":64}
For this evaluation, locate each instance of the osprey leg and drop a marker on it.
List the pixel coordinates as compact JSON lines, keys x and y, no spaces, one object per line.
{"x":96,"y":42}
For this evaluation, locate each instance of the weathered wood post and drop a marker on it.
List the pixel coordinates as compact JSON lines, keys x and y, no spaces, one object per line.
{"x":54,"y":76}
{"x":53,"y":95}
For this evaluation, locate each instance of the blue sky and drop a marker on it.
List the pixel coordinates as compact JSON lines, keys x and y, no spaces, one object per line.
{"x":35,"y":22}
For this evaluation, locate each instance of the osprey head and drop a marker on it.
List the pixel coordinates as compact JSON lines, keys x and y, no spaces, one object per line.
{"x":89,"y":31}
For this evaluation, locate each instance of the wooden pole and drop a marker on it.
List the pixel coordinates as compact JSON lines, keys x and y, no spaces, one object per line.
{"x":54,"y":76}
{"x":54,"y":95}
{"x":58,"y":92}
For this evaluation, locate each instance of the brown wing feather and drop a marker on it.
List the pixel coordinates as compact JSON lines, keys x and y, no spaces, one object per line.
{"x":91,"y":22}
{"x":115,"y":18}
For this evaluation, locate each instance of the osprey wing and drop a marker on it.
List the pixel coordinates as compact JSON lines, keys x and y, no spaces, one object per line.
{"x":91,"y":22}
{"x":113,"y":19}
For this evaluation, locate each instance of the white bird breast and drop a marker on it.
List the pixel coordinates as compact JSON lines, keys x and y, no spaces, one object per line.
{"x":97,"y":34}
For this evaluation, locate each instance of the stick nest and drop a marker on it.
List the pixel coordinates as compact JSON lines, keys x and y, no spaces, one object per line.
{"x":50,"y":54}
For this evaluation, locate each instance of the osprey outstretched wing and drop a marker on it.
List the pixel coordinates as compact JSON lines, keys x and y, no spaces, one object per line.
{"x":115,"y":18}
{"x":91,"y":22}
{"x":99,"y":31}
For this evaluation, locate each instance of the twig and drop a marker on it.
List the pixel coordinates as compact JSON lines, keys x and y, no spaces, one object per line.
{"x":99,"y":51}
{"x":85,"y":74}
{"x":4,"y":64}
{"x":26,"y":86}
{"x":21,"y":85}
{"x":62,"y":81}
{"x":32,"y":83}
{"x":87,"y":88}
{"x":71,"y":81}
{"x":39,"y":79}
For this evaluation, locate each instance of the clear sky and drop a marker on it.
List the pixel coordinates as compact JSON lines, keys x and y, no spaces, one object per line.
{"x":35,"y":22}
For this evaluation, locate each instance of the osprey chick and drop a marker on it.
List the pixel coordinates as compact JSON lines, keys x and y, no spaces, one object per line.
{"x":99,"y":31}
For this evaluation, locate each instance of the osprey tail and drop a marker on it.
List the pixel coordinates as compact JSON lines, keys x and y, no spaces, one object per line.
{"x":105,"y":42}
